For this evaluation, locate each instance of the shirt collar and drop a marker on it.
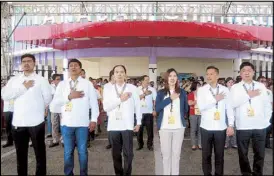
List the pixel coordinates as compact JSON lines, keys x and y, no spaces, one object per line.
{"x":31,"y":75}
{"x":78,"y":79}
{"x":252,"y":83}
{"x":120,"y":86}
{"x":218,"y":85}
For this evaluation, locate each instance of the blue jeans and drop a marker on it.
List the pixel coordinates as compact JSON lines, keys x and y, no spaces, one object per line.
{"x":80,"y":136}
{"x":49,"y":123}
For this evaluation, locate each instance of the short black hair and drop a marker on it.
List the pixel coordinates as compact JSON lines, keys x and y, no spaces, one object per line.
{"x":84,"y":70}
{"x":111,"y":73}
{"x":194,"y":86}
{"x":143,"y":77}
{"x":261,"y":77}
{"x":213,"y":67}
{"x":247,"y":64}
{"x":75,"y":60}
{"x":228,"y":79}
{"x":120,"y":66}
{"x":28,"y":55}
{"x":54,"y":76}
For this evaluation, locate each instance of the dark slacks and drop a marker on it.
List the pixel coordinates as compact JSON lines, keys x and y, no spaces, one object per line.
{"x":269,"y":130}
{"x":21,"y":137}
{"x":258,"y":145}
{"x":122,"y":141}
{"x":8,"y":122}
{"x":216,"y":140}
{"x":147,"y":121}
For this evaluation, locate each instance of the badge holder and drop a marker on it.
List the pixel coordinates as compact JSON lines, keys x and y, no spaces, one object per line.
{"x":118,"y":115}
{"x":171,"y":120}
{"x":11,"y":102}
{"x":250,"y":112}
{"x":143,"y":103}
{"x":68,"y":107}
{"x":217,"y":115}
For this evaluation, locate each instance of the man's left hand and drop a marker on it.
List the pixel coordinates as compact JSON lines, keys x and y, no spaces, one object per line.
{"x":154,"y":113}
{"x":230,"y":131}
{"x":92,"y":126}
{"x":136,"y":128}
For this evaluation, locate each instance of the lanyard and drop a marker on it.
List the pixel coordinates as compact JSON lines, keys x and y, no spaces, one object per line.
{"x":144,"y":92}
{"x":144,"y":89}
{"x":123,"y":89}
{"x":215,"y":94}
{"x":75,"y":84}
{"x":171,"y":104}
{"x":253,"y":85}
{"x":119,"y":94}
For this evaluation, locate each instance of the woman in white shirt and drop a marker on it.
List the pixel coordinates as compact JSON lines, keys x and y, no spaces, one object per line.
{"x":171,"y":106}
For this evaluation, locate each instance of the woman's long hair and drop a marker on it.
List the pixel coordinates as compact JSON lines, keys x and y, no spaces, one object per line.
{"x":177,"y":85}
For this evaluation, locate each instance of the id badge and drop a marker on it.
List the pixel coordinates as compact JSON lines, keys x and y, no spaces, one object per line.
{"x":143,"y":103}
{"x":11,"y":102}
{"x":171,"y":120}
{"x":118,"y":115}
{"x":197,"y":111}
{"x":217,"y":115}
{"x":68,"y":107}
{"x":250,"y":112}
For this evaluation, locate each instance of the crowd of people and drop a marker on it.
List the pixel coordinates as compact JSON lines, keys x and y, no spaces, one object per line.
{"x":220,"y":113}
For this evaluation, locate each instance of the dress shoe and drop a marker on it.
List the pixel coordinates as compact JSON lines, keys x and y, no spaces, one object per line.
{"x":235,"y":146}
{"x":53,"y":144}
{"x":139,"y":148}
{"x":150,"y":148}
{"x":7,"y":145}
{"x":108,"y":147}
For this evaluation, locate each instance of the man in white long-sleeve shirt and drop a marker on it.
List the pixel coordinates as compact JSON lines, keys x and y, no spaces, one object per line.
{"x":213,"y":102}
{"x":253,"y":112}
{"x":55,"y":114}
{"x":110,"y":83}
{"x":120,"y":101}
{"x":75,"y":96}
{"x":8,"y":114}
{"x":31,"y":94}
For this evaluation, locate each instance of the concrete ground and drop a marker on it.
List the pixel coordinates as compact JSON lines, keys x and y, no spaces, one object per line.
{"x":145,"y":162}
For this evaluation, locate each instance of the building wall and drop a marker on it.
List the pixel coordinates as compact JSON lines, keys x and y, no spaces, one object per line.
{"x":138,"y":66}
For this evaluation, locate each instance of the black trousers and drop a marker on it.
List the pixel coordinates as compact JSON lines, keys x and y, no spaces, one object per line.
{"x":269,"y":130}
{"x":21,"y":136}
{"x":109,"y":142}
{"x":147,"y":121}
{"x":258,"y":145}
{"x":216,"y":140}
{"x":8,"y":122}
{"x":122,"y":141}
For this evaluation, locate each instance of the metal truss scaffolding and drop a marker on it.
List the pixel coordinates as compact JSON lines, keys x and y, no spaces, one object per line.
{"x":6,"y":60}
{"x":135,"y":8}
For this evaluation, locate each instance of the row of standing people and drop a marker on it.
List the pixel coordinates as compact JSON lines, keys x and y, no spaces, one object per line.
{"x":121,"y":101}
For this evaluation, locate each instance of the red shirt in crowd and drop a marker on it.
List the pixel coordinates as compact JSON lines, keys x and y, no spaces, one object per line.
{"x":190,"y":96}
